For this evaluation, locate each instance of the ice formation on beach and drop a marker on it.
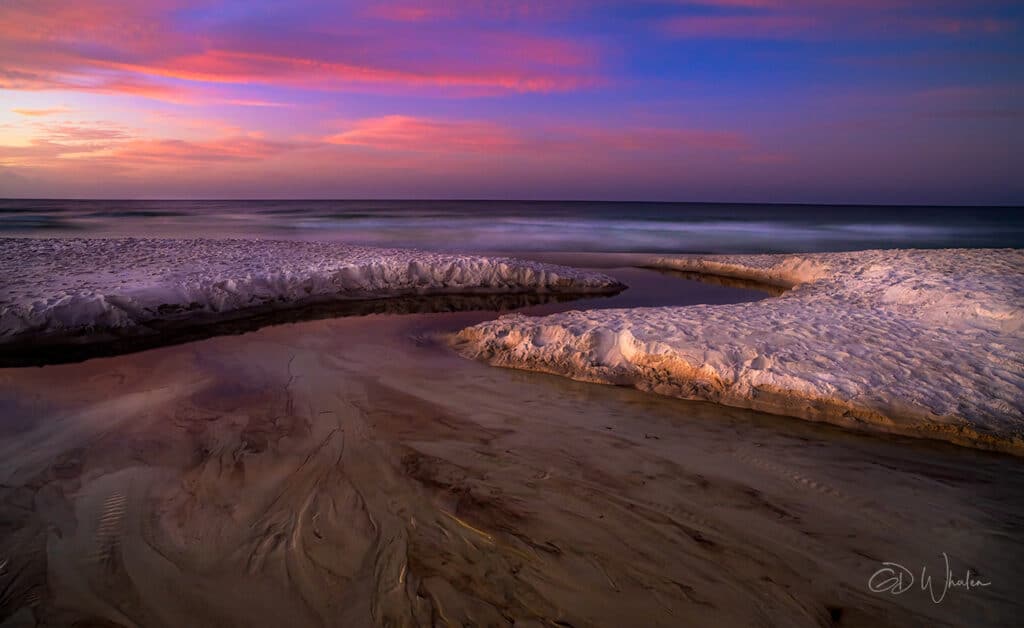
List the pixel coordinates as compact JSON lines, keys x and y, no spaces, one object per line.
{"x":79,"y":286}
{"x":914,"y":342}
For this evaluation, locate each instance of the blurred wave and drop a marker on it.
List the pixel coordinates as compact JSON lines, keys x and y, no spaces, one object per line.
{"x":530,"y":226}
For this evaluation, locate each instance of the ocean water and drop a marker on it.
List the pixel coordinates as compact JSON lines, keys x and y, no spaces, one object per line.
{"x":530,"y":226}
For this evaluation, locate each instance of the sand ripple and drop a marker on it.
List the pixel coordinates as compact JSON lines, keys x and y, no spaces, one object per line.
{"x":334,"y":473}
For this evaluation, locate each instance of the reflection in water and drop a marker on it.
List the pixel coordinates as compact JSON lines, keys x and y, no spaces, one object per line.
{"x":347,"y":472}
{"x":722,"y":280}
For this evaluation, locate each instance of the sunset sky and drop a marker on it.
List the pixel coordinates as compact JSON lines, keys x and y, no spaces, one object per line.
{"x":885,"y":101}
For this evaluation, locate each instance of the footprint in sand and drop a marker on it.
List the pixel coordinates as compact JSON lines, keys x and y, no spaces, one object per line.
{"x":797,"y":478}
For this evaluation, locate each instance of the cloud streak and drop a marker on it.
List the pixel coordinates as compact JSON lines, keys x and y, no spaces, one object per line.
{"x":425,"y":135}
{"x":36,"y":113}
{"x":804,"y":20}
{"x":134,"y":48}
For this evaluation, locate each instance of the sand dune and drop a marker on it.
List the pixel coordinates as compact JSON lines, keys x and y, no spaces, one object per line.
{"x":922,"y":343}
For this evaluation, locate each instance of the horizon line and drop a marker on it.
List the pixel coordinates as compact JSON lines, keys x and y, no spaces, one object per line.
{"x":523,"y":200}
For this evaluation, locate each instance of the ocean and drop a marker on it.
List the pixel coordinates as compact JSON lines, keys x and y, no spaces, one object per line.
{"x":530,"y":225}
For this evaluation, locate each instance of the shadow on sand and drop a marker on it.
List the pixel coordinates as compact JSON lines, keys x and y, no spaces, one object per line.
{"x":63,"y":349}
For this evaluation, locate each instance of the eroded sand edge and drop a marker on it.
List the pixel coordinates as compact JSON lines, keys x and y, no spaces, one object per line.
{"x":920,"y":343}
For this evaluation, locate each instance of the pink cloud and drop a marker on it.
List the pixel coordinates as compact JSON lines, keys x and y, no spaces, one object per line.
{"x":653,"y":139}
{"x":244,"y":67}
{"x":404,"y":13}
{"x":35,"y":113}
{"x":407,"y":133}
{"x":37,"y":78}
{"x":176,"y":152}
{"x":69,"y":146}
{"x":413,"y":142}
{"x":83,"y":132}
{"x":123,"y":47}
{"x":493,"y":10}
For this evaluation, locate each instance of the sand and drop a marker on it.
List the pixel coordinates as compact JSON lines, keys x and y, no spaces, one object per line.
{"x":920,"y":343}
{"x":82,"y":289}
{"x":349,"y":472}
{"x":346,"y":472}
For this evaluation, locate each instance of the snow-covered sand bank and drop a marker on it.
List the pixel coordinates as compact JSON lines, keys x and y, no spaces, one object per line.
{"x":63,"y":287}
{"x":922,"y":343}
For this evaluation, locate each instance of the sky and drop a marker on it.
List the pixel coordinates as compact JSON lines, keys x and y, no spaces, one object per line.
{"x":828,"y":101}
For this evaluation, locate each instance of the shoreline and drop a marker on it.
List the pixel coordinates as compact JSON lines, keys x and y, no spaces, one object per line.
{"x":76,"y":291}
{"x":910,"y":342}
{"x":897,"y":341}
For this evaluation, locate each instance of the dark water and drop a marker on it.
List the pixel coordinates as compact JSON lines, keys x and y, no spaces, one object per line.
{"x":645,"y":288}
{"x":531,"y":226}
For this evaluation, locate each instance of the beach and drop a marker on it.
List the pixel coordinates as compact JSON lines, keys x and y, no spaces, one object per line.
{"x":357,"y":471}
{"x":397,"y":314}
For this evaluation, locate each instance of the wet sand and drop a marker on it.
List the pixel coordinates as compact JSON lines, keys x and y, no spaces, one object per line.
{"x":351,"y":472}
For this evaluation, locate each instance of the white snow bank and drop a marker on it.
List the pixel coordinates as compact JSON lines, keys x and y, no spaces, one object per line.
{"x":924,"y":343}
{"x":63,"y":286}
